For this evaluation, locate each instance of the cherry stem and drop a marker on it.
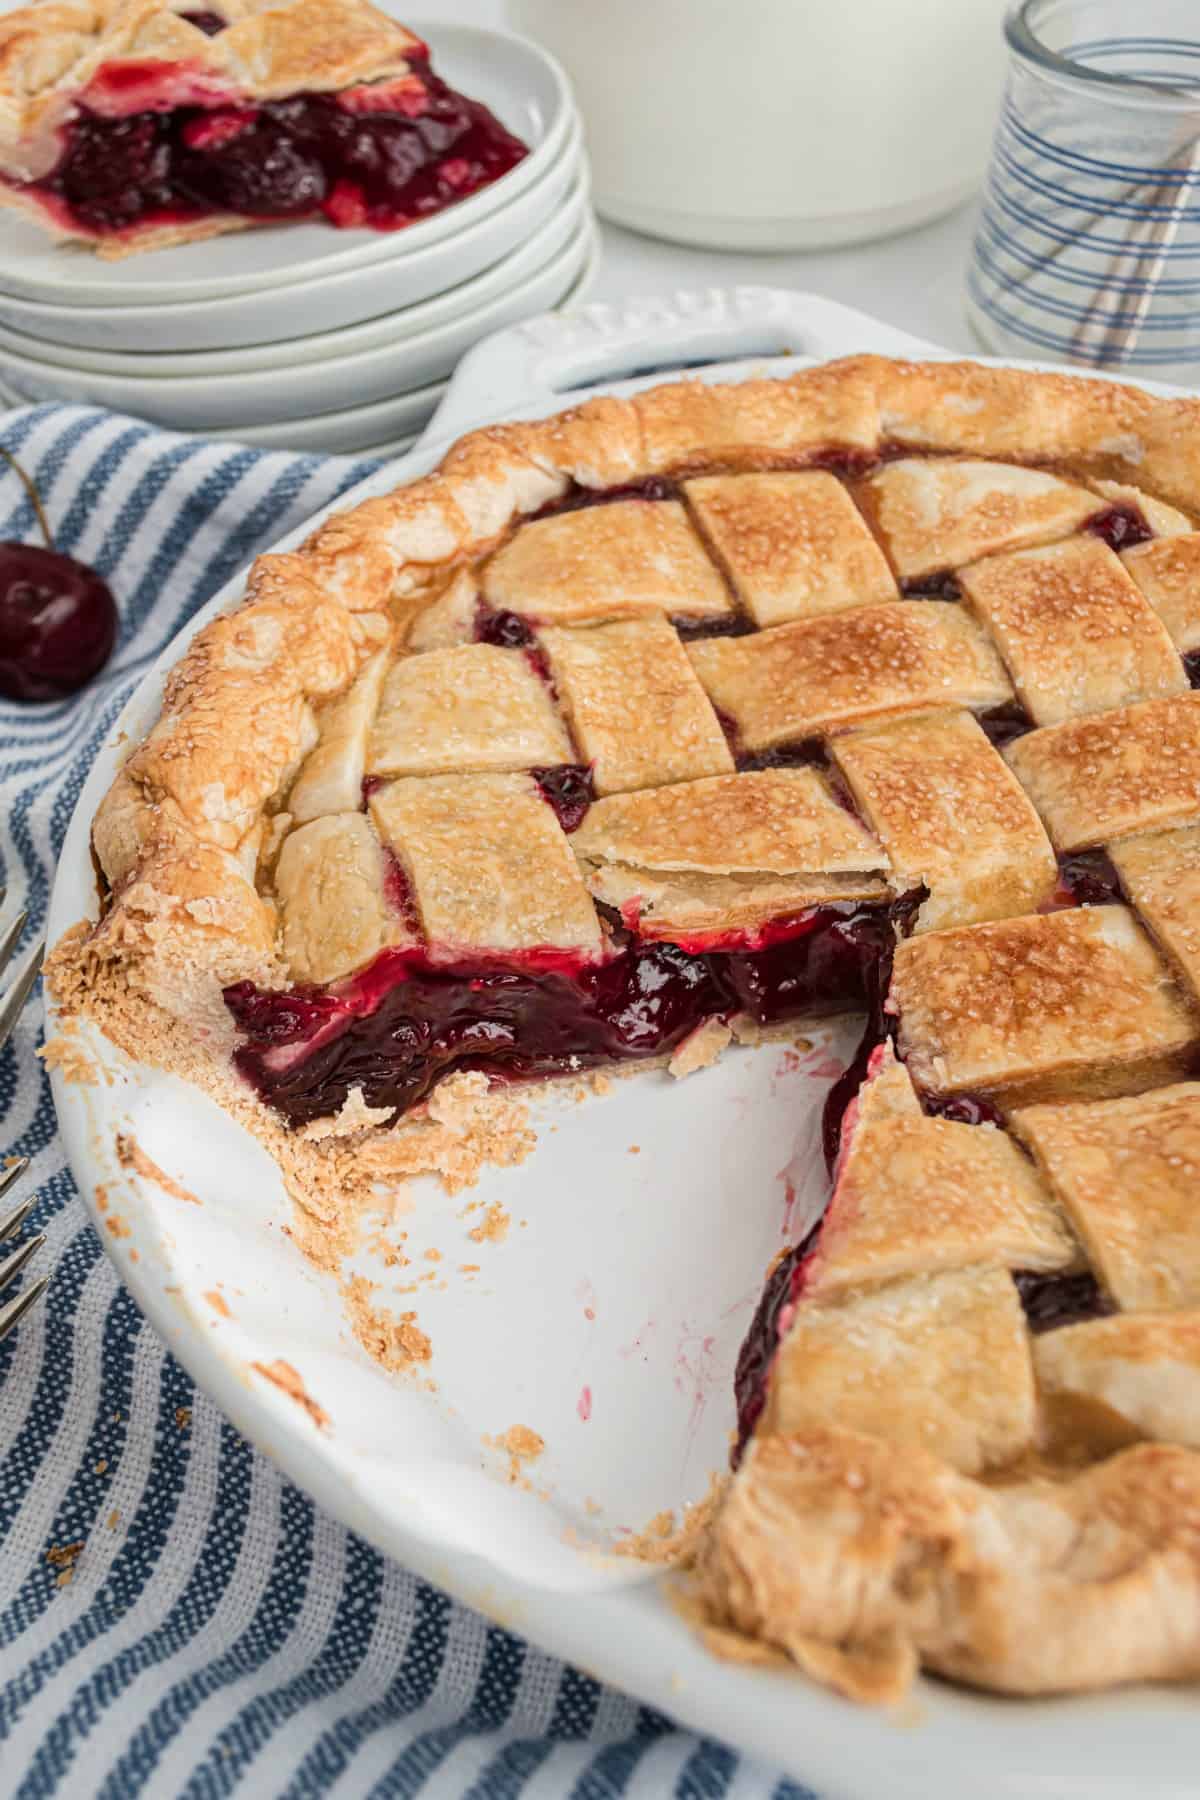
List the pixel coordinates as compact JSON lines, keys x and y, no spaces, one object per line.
{"x":35,"y":499}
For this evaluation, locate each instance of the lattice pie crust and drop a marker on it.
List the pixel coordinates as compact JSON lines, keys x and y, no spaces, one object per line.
{"x":875,"y":632}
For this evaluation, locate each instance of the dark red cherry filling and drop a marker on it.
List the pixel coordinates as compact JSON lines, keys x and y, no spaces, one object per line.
{"x":380,"y":155}
{"x":1120,"y":527}
{"x":942,"y":586}
{"x":210,"y":23}
{"x":1004,"y":723}
{"x":768,"y":1326}
{"x":405,"y":1021}
{"x":568,"y":788}
{"x":1087,"y":878}
{"x":1054,"y":1300}
{"x":962,"y":1109}
{"x":579,"y":498}
{"x":507,"y":630}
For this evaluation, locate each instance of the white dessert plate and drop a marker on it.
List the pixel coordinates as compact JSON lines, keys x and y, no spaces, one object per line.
{"x":607,"y":1320}
{"x":302,"y":390}
{"x":344,"y":297}
{"x":359,"y":430}
{"x":405,"y":326}
{"x":521,"y":83}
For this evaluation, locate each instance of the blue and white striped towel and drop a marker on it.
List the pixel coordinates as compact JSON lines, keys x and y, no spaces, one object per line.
{"x":218,"y":1634}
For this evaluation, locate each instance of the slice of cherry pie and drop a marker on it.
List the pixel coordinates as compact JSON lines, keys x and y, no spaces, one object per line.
{"x":676,"y":717}
{"x":135,"y":124}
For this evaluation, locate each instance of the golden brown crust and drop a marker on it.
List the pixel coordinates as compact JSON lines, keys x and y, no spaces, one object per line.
{"x":1126,"y":1173}
{"x":951,"y":816}
{"x":861,"y":1559}
{"x":1037,"y":1007}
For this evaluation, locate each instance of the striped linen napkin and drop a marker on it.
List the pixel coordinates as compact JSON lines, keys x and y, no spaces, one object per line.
{"x":176,"y":1619}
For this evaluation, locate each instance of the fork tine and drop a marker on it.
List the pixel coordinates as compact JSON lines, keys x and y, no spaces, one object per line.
{"x":12,"y":937}
{"x":10,"y":1226}
{"x":8,"y":1178}
{"x":18,"y":993}
{"x":15,"y":1309}
{"x":12,"y":1265}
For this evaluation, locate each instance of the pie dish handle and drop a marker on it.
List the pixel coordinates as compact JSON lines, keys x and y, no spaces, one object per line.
{"x":560,"y":357}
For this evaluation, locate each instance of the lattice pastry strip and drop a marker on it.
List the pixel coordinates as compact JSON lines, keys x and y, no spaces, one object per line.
{"x":1167,"y":570}
{"x":934,"y":515}
{"x":1144,"y":1369}
{"x":1111,"y":774}
{"x":903,"y":1364}
{"x":1075,"y":632}
{"x":819,"y":675}
{"x":728,"y":854}
{"x":1127,"y":1174}
{"x":793,"y":544}
{"x":488,"y":865}
{"x":919,"y":1196}
{"x":951,"y":816}
{"x":1074,"y":1002}
{"x":621,"y":560}
{"x":636,"y":709}
{"x":472,"y":707}
{"x":331,"y":884}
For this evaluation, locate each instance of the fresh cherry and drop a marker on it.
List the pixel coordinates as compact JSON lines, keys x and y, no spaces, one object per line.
{"x":58,"y":620}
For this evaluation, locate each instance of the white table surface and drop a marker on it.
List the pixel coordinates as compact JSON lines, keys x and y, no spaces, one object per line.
{"x":914,"y":281}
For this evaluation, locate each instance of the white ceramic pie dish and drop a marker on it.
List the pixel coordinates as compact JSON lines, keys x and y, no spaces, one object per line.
{"x":521,"y":83}
{"x":664,"y":1249}
{"x":302,"y":390}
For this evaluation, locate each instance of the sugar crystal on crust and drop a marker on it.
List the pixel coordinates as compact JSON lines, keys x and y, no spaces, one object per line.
{"x":1075,"y":632}
{"x":1037,"y":1006}
{"x":794,"y":544}
{"x":818,"y":675}
{"x":1105,"y":776}
{"x":951,"y":816}
{"x":1126,"y":1172}
{"x":637,"y":711}
{"x":617,"y":561}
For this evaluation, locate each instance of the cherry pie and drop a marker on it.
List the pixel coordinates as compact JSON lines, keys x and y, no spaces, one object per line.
{"x":135,"y":124}
{"x":676,"y":717}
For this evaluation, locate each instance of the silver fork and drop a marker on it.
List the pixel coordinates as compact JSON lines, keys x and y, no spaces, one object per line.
{"x":12,"y":1311}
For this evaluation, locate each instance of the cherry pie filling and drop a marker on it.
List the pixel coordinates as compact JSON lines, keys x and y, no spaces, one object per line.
{"x":380,"y":155}
{"x":398,"y":1026}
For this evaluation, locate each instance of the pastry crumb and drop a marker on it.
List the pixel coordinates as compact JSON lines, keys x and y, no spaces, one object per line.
{"x":74,"y":1063}
{"x":218,"y":1303}
{"x":130,"y":1155}
{"x":396,"y":1343}
{"x":290,"y":1382}
{"x":183,"y":1418}
{"x":494,"y":1226}
{"x":700,"y":1048}
{"x":521,"y":1444}
{"x":675,"y":1546}
{"x":61,"y":1556}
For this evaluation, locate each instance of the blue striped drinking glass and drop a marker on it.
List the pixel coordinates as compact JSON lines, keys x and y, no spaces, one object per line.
{"x":1088,"y":244}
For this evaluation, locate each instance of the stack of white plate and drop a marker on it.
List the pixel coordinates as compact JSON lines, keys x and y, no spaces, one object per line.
{"x":302,"y":336}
